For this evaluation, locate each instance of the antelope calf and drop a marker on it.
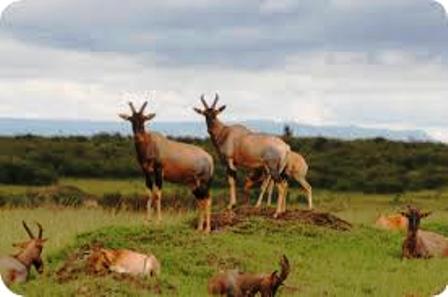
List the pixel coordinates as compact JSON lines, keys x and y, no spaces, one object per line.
{"x":393,"y":222}
{"x":237,"y":146}
{"x":123,"y":261}
{"x":16,"y":268}
{"x":163,"y":159}
{"x":419,"y":243}
{"x":236,"y":284}
{"x":297,"y":169}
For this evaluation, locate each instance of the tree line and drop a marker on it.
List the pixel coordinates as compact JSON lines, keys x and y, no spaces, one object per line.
{"x":370,"y":166}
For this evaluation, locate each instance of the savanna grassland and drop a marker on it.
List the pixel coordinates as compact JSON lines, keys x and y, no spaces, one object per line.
{"x":361,"y":262}
{"x":51,"y":180}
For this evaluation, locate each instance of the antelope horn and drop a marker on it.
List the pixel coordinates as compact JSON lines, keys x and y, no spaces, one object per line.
{"x":143,"y":107}
{"x":285,"y":268}
{"x":131,"y":105}
{"x":216,"y":101}
{"x":203,"y":101}
{"x":41,"y":230}
{"x":27,"y":229}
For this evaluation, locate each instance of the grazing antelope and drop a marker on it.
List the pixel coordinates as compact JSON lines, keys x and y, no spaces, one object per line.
{"x":236,"y":284}
{"x":163,"y":159}
{"x":419,"y":243}
{"x":393,"y":222}
{"x":16,"y":268}
{"x":123,"y":261}
{"x":238,"y":146}
{"x":296,"y":168}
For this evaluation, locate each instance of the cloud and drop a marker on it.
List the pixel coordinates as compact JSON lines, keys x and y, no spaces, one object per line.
{"x":202,"y":32}
{"x":370,"y":63}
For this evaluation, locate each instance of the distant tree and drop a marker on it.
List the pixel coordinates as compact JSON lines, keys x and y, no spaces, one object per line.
{"x":287,"y":133}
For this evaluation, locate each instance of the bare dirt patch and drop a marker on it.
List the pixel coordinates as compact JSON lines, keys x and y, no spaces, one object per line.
{"x":230,"y":218}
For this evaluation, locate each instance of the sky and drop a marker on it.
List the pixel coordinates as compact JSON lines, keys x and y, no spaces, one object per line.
{"x":376,"y":63}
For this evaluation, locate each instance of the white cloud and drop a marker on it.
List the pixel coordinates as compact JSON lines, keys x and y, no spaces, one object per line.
{"x":258,"y":67}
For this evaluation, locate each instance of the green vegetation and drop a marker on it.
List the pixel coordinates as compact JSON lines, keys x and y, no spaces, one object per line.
{"x":361,"y":262}
{"x":370,"y":166}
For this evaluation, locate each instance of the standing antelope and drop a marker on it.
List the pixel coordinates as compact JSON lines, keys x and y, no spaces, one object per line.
{"x":239,"y":146}
{"x":420,"y":243}
{"x":236,"y":284}
{"x":296,"y":168}
{"x":163,"y":159}
{"x":15,"y":269}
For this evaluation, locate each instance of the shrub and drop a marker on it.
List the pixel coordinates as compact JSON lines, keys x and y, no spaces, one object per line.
{"x":111,"y":200}
{"x":21,"y":172}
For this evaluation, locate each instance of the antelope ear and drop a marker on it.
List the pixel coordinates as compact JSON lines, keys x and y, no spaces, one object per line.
{"x":20,"y":245}
{"x":273,"y":274}
{"x":150,"y":116}
{"x":124,"y":116}
{"x":198,"y":111}
{"x":424,"y":215}
{"x":404,"y":214}
{"x":221,"y":109}
{"x":43,"y":240}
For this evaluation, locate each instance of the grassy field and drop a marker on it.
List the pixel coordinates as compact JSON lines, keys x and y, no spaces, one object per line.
{"x":361,"y":262}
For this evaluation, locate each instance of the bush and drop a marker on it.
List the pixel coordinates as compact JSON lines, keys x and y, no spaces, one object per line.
{"x":111,"y":200}
{"x":20,"y":172}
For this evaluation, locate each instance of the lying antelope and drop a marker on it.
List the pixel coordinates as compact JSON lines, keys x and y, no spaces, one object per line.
{"x":123,"y":261}
{"x":419,"y":243}
{"x":237,"y":284}
{"x":238,"y":146}
{"x":393,"y":222}
{"x":163,"y":159}
{"x":15,"y":269}
{"x":296,"y":168}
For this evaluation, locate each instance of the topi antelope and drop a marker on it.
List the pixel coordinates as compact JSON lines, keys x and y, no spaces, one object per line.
{"x":296,"y":168}
{"x":123,"y":261}
{"x":393,"y":222}
{"x":15,"y":269}
{"x":419,"y":243}
{"x":237,"y":146}
{"x":236,"y":284}
{"x":163,"y":159}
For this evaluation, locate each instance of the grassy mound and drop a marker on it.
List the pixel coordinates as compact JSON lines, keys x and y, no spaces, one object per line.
{"x":323,"y":219}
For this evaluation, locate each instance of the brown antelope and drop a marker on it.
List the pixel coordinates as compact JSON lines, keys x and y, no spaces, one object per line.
{"x":419,"y":243}
{"x":236,"y":284}
{"x":393,"y":222}
{"x":123,"y":261}
{"x":16,"y":268}
{"x":163,"y":159}
{"x":296,"y":168}
{"x":238,"y":146}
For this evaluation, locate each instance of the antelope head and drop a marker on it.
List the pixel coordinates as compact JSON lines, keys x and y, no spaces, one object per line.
{"x":138,"y":118}
{"x":414,"y":216}
{"x":210,"y":112}
{"x":31,"y":250}
{"x":272,"y":282}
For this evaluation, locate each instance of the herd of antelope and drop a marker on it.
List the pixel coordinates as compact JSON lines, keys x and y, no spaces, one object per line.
{"x":268,"y":157}
{"x":270,"y":161}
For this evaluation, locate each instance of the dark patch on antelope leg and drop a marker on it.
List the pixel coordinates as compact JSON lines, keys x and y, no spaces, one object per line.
{"x":158,"y":175}
{"x":148,"y":180}
{"x":203,"y":190}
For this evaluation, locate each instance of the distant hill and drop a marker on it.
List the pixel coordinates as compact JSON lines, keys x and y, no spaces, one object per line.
{"x":10,"y":127}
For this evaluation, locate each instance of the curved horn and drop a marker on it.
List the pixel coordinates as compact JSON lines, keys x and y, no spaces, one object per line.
{"x":216,"y":101}
{"x":131,"y":105}
{"x":41,"y":230}
{"x":143,"y":107}
{"x":27,"y":229}
{"x":203,"y":101}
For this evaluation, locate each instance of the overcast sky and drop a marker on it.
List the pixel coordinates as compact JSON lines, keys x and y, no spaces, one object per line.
{"x":374,"y":63}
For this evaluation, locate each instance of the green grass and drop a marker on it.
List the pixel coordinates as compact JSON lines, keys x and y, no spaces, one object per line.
{"x":362,"y":262}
